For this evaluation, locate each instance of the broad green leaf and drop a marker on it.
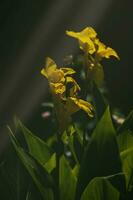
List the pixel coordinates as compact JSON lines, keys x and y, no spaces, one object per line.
{"x":100,"y":189}
{"x":75,"y":170}
{"x":67,"y":180}
{"x":40,"y":177}
{"x":127,"y":125}
{"x":51,"y":163}
{"x":37,"y":147}
{"x":101,"y":157}
{"x":127,"y":162}
{"x":15,"y":179}
{"x":118,"y":181}
{"x":51,"y":141}
{"x":125,"y":140}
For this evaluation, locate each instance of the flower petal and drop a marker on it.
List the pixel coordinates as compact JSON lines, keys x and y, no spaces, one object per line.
{"x":75,"y":88}
{"x":50,"y":67}
{"x":80,"y":104}
{"x":103,"y":51}
{"x":57,"y":88}
{"x":44,"y":73}
{"x":85,"y":33}
{"x":68,"y":71}
{"x":50,"y":64}
{"x":85,"y":38}
{"x":106,"y":53}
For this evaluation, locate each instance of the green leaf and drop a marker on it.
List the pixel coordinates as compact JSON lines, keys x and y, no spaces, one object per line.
{"x":127,"y":162}
{"x":127,"y":125}
{"x":72,"y":138}
{"x":51,"y":141}
{"x":75,"y":170}
{"x":37,"y":147}
{"x":68,"y":140}
{"x":101,"y":157}
{"x":39,"y":175}
{"x":75,"y":147}
{"x":78,"y":147}
{"x":118,"y":181}
{"x":51,"y":164}
{"x":100,"y":189}
{"x":67,"y":180}
{"x":125,"y":140}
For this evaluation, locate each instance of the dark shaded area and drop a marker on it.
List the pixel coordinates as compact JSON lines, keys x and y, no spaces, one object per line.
{"x":32,"y":30}
{"x":117,"y":30}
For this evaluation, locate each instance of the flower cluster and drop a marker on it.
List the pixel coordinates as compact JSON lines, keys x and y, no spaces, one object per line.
{"x":89,"y":43}
{"x":66,"y":98}
{"x":94,"y":51}
{"x":58,"y":77}
{"x":66,"y":104}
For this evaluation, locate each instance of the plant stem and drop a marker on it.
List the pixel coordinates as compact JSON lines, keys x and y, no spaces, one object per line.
{"x":86,"y":63}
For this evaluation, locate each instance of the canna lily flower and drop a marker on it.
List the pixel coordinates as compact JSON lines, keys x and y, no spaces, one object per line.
{"x":90,"y":44}
{"x":71,"y":106}
{"x":57,"y":77}
{"x":94,"y":51}
{"x":75,"y":88}
{"x":75,"y":104}
{"x":103,"y":51}
{"x":85,"y":38}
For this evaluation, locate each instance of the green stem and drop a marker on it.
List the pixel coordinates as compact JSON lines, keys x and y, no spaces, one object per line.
{"x":86,"y":65}
{"x":84,"y":140}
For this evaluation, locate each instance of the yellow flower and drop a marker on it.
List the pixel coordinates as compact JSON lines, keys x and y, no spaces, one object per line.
{"x":74,"y":104}
{"x":57,"y":77}
{"x":75,"y":87}
{"x":103,"y":51}
{"x":89,"y":43}
{"x":85,"y":38}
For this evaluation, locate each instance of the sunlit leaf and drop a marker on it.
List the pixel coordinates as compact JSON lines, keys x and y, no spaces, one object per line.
{"x":51,"y":163}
